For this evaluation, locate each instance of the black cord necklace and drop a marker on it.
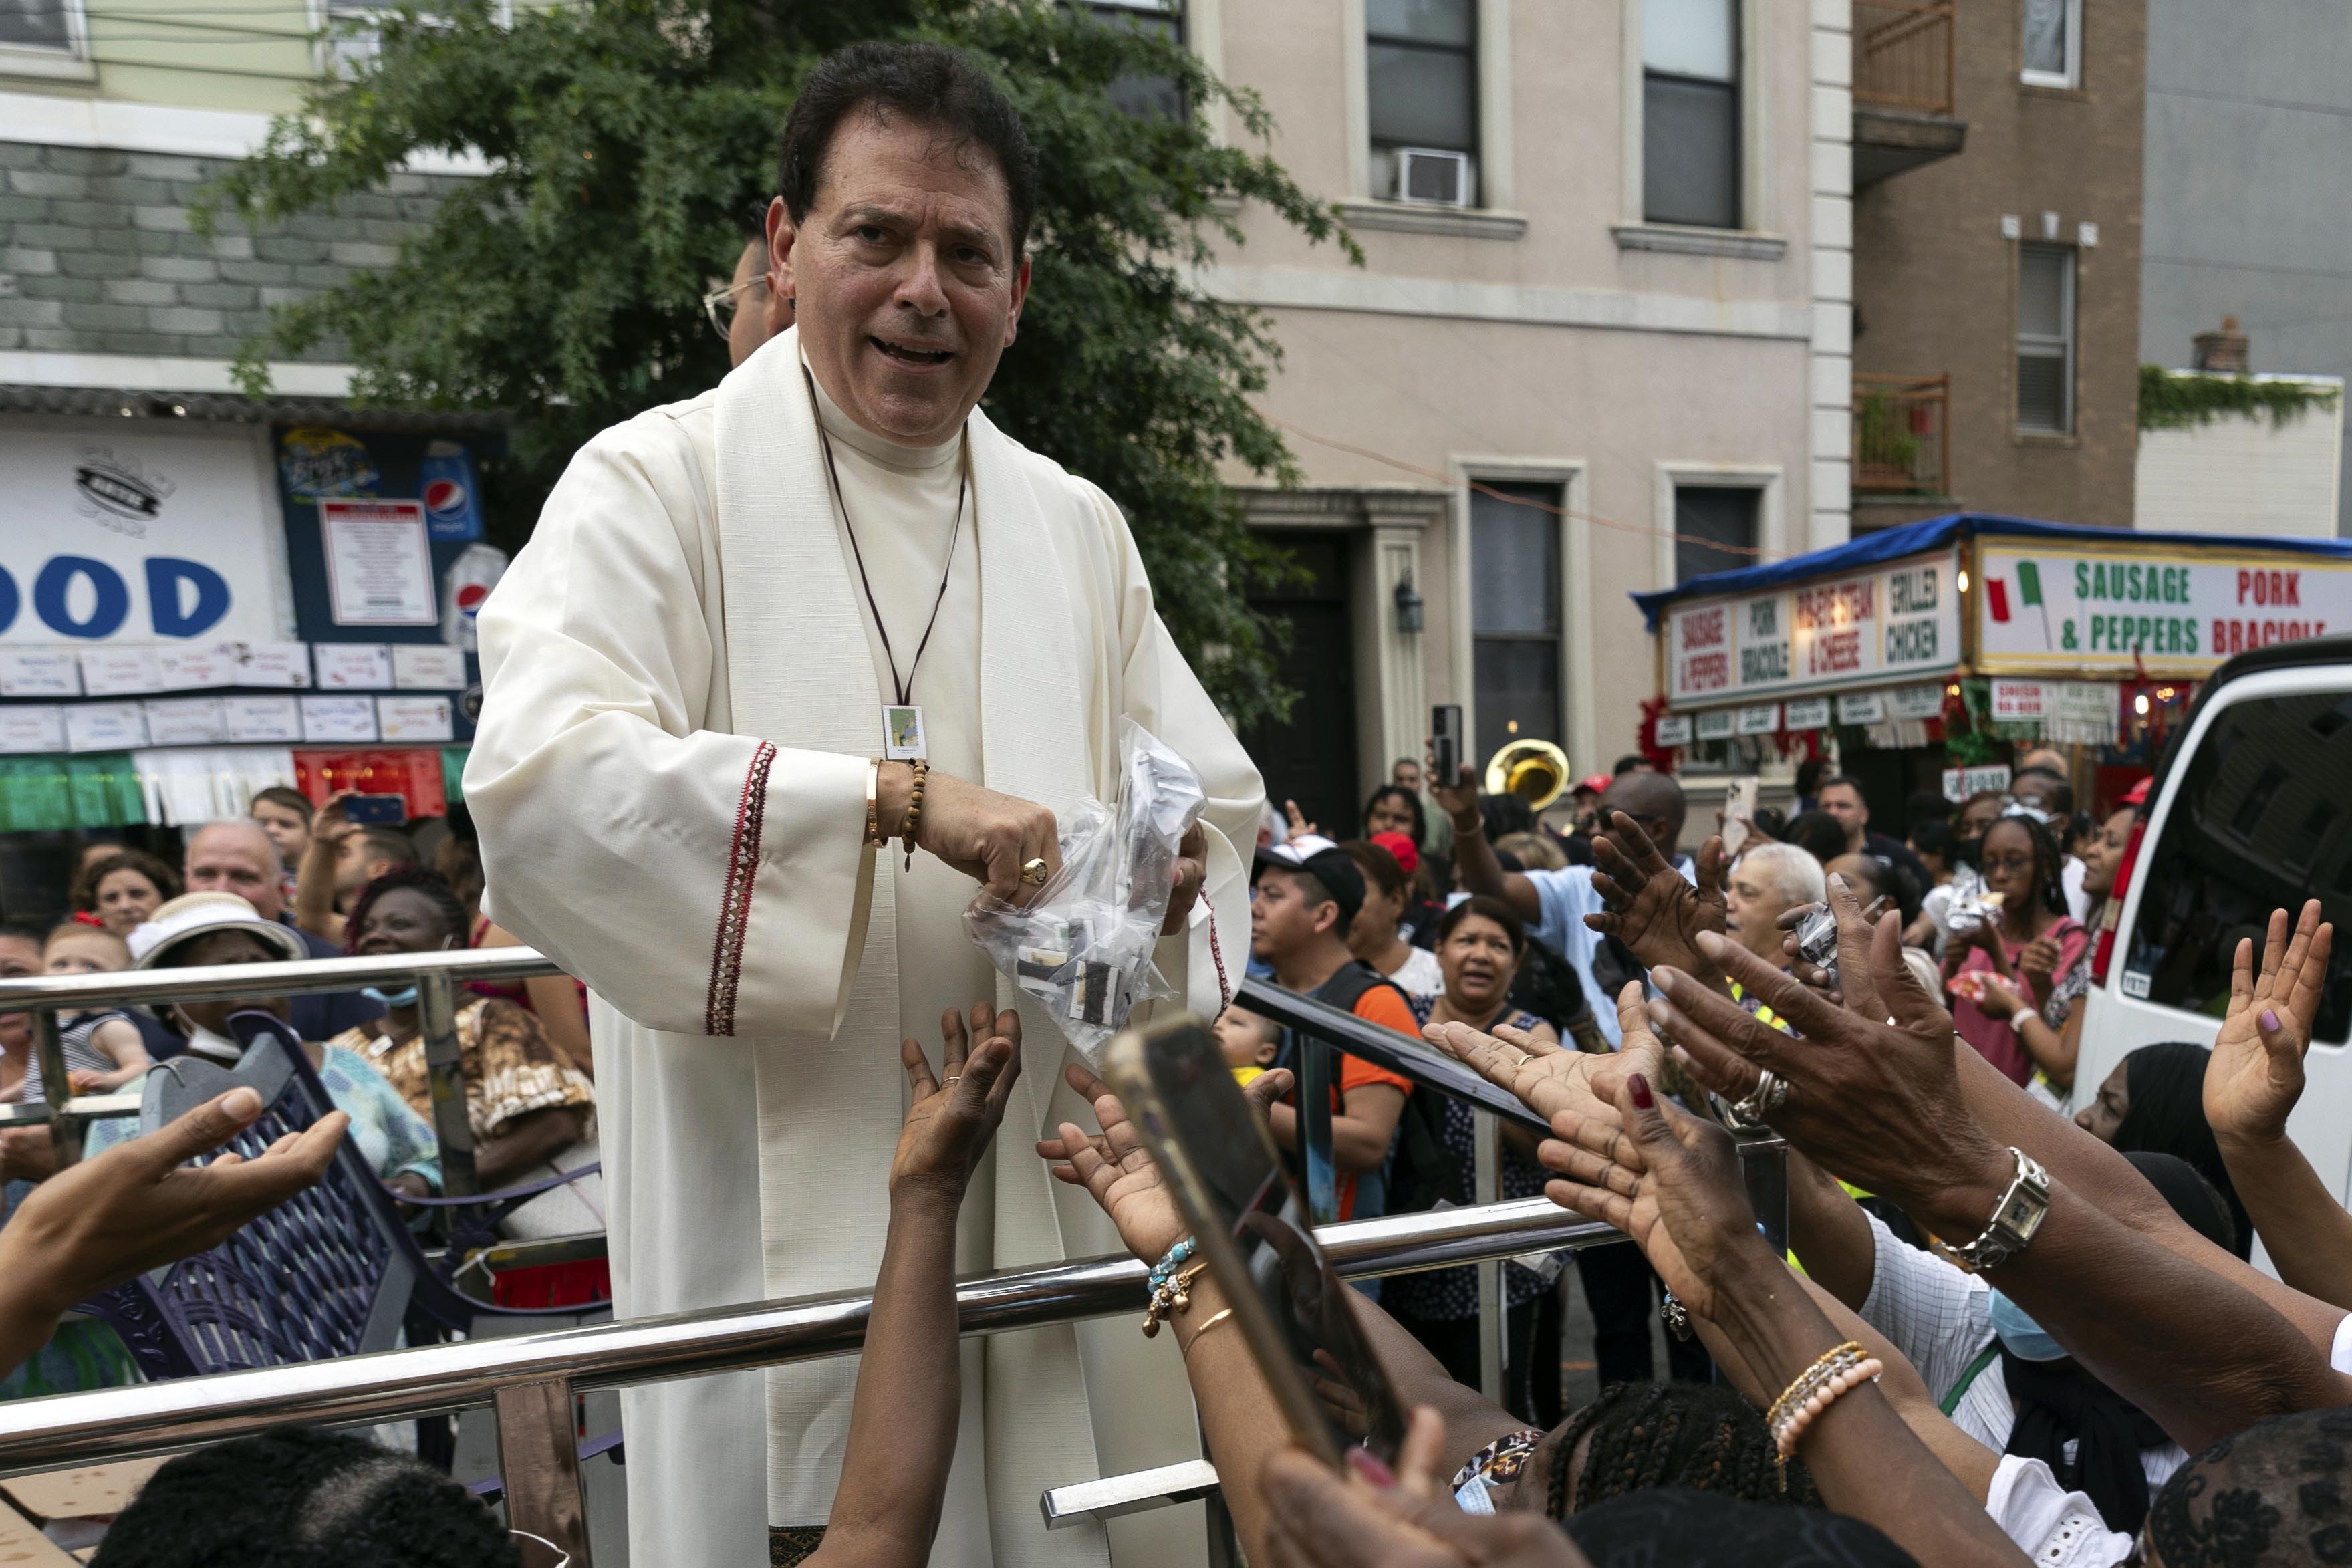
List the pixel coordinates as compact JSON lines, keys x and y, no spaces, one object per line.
{"x":903,"y":689}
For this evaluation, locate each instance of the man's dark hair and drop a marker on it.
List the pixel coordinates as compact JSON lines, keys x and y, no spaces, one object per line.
{"x":24,"y":931}
{"x":1628,"y":762}
{"x":1313,"y":890}
{"x":753,"y":219}
{"x":1926,"y":806}
{"x":2274,"y":1495}
{"x":922,"y":84}
{"x":389,"y":844}
{"x":1932,"y":836}
{"x":1849,"y":782}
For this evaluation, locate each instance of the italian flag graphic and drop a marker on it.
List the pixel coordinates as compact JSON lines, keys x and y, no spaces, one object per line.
{"x":2028,"y":591}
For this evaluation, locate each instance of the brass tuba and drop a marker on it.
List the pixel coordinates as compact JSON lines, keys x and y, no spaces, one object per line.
{"x":1535,"y":771}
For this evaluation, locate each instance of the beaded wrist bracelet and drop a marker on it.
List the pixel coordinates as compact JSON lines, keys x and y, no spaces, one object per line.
{"x":1171,"y":1296}
{"x":1171,"y":1260}
{"x":1814,"y":1391}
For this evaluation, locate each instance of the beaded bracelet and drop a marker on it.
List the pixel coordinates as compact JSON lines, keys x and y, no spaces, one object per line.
{"x":914,"y":811}
{"x":1841,"y":1370}
{"x":1171,"y":1296}
{"x":1170,"y":1260}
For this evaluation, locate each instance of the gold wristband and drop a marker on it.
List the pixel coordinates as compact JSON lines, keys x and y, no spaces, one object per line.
{"x":1213,"y":1321}
{"x":873,"y":802}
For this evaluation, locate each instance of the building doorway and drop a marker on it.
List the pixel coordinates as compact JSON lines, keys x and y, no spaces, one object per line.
{"x":1310,"y":757}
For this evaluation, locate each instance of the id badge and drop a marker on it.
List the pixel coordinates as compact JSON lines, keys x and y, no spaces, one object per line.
{"x":902,"y":735}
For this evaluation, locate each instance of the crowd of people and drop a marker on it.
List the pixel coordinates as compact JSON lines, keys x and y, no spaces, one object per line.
{"x":2097,"y":1377}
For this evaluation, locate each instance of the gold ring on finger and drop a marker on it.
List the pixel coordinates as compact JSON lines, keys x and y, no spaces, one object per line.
{"x":1034,"y":871}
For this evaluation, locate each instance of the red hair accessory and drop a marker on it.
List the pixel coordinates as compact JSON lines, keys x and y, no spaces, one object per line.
{"x":84,"y":918}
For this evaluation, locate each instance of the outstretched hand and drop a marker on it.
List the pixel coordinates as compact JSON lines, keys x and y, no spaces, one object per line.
{"x":1656,"y":914}
{"x":139,"y":1205}
{"x":949,"y":1124}
{"x":1873,"y":1102}
{"x":2256,"y":1072}
{"x":1667,"y":1179}
{"x":1547,"y":1077}
{"x":1118,"y":1171}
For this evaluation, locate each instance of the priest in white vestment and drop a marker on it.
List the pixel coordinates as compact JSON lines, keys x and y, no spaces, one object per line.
{"x":685,"y":673}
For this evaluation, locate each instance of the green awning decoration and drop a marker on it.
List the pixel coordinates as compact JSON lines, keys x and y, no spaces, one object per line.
{"x":453,"y":772}
{"x":50,"y":792}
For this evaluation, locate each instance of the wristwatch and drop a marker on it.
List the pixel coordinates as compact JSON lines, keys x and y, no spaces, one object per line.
{"x":2015,"y":1219}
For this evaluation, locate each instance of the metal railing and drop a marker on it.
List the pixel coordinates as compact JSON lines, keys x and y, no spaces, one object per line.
{"x":1904,"y":54}
{"x":1902,"y":434}
{"x":437,"y":976}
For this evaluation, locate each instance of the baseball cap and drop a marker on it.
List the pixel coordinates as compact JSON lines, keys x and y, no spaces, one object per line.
{"x":1401,"y":847}
{"x":1595,"y":784}
{"x":1321,"y":859}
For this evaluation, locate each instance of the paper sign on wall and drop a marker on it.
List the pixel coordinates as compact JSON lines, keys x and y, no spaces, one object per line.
{"x":105,"y":727}
{"x":378,"y":565}
{"x":192,"y":667}
{"x":31,"y":727}
{"x":1671,"y":730}
{"x":1917,"y":701}
{"x":1861,"y":707}
{"x":285,"y":664}
{"x":354,"y":665}
{"x":1961,"y":783}
{"x":1809,"y":713}
{"x":257,"y":720}
{"x":428,"y":667}
{"x":39,"y":672}
{"x":1758,"y":721}
{"x":413,"y":718}
{"x":120,"y":671}
{"x":338,"y":720}
{"x":2017,"y":701}
{"x":185,"y":722}
{"x":1714,"y":725}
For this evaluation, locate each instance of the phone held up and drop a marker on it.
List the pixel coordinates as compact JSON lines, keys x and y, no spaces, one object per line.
{"x":1445,"y":744}
{"x":376,"y":810}
{"x":1252,"y":1228}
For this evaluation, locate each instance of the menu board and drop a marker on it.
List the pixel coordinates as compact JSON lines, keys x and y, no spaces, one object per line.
{"x":1866,"y":628}
{"x":2114,"y":609}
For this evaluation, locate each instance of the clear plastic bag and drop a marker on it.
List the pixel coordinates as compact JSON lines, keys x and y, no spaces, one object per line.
{"x":1082,"y":947}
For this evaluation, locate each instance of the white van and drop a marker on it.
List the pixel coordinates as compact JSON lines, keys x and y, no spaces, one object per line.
{"x":2250,"y":811}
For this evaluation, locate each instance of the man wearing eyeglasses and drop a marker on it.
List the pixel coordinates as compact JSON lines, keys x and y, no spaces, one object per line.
{"x":747,"y":312}
{"x":758,"y":636}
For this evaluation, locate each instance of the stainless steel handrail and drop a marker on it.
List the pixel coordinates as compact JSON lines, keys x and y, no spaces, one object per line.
{"x":159,"y":1417}
{"x":437,"y":976}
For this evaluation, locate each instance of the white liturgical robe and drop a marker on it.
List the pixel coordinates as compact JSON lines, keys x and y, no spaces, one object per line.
{"x":683,"y":685}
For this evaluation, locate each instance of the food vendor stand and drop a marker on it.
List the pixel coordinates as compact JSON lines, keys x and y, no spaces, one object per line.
{"x":1953,"y":639}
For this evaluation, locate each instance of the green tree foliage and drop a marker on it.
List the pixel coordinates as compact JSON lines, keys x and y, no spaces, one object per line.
{"x":624,"y":138}
{"x":2186,"y":400}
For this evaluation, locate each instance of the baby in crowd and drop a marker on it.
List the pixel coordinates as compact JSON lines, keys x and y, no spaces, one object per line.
{"x":1250,"y":1041}
{"x":103,"y":1050}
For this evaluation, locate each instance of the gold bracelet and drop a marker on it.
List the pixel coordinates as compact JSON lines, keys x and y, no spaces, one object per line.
{"x":914,"y":811}
{"x":1806,"y":1382}
{"x":1204,"y":1328}
{"x":873,"y":802}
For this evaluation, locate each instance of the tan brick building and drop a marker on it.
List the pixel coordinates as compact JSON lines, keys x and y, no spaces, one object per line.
{"x":1996,"y":258}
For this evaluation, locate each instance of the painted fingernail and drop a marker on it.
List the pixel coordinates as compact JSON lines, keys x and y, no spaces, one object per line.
{"x":1640,"y":1083}
{"x":2269,"y":1020}
{"x":1367,"y":1465}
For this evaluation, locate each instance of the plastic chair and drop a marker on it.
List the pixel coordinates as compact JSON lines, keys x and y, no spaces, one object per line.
{"x":333,"y":1271}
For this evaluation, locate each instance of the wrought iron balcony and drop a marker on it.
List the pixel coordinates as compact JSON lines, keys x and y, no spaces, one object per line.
{"x":1902,"y":435}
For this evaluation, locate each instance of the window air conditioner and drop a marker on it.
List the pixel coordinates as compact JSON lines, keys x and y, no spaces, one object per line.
{"x":1432,"y":178}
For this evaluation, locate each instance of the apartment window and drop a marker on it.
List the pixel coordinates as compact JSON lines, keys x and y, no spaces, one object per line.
{"x":2045,"y":339}
{"x":1690,"y":112}
{"x":44,"y":31}
{"x":1515,"y":613}
{"x":1421,"y":68}
{"x":1146,"y":97}
{"x":2053,"y":43}
{"x":1715,"y":529}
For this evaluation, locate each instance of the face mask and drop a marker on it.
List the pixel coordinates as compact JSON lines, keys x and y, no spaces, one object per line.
{"x":390,"y":998}
{"x":2021,"y":1335}
{"x":204,"y":1042}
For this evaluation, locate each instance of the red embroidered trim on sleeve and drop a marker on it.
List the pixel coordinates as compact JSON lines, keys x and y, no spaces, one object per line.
{"x":1224,"y":987}
{"x":735,"y":901}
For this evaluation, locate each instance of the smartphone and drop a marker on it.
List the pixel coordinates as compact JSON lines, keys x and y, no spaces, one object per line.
{"x":1445,"y":744}
{"x":376,"y":810}
{"x":1252,"y":1225}
{"x":1739,"y":812}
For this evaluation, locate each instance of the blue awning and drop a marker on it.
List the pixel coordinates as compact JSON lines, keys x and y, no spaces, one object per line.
{"x":1934,"y":534}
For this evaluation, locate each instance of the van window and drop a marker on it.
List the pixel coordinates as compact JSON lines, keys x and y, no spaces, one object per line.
{"x":2261,"y":822}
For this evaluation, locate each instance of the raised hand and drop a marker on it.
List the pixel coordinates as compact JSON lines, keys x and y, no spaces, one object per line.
{"x":1548,"y":1079}
{"x":139,"y":1205}
{"x":1667,"y":1179}
{"x":1457,"y":796}
{"x":1118,"y":1171}
{"x":1656,"y":914}
{"x":1299,"y":827}
{"x":1873,"y":1102}
{"x":2256,"y":1073}
{"x":949,"y":1124}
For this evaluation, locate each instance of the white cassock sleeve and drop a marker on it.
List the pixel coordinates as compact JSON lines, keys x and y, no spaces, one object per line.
{"x":621,"y":837}
{"x":1206,"y":961}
